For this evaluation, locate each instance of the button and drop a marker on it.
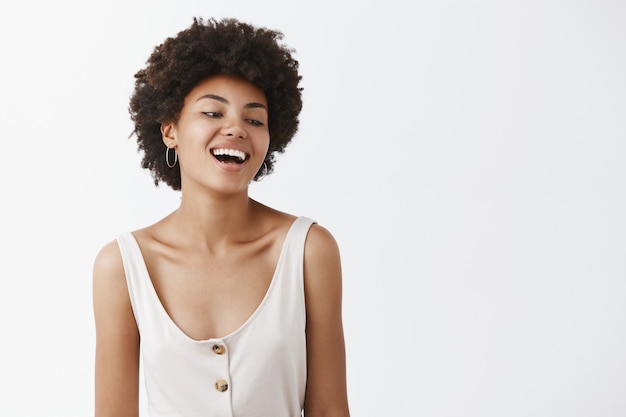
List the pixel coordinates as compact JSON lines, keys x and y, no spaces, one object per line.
{"x":221,"y":385}
{"x":219,"y":349}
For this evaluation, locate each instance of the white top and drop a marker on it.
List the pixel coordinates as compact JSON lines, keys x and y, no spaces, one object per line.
{"x":257,"y":370}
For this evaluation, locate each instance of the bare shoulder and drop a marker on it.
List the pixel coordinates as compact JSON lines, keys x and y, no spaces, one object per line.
{"x":109,"y":279}
{"x":321,"y":245}
{"x":108,"y":262}
{"x":322,"y":267}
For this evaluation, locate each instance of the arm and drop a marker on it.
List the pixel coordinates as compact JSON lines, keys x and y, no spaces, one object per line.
{"x":117,"y":339}
{"x":326,"y":393}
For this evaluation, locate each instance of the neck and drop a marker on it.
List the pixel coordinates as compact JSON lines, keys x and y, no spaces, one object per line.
{"x":214,"y":221}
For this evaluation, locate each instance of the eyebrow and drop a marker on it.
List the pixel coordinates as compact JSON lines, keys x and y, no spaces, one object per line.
{"x":221,"y":99}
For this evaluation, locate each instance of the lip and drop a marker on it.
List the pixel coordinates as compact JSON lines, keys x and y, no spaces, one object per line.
{"x":231,"y":167}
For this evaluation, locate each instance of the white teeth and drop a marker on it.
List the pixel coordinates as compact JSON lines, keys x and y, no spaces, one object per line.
{"x":230,"y":152}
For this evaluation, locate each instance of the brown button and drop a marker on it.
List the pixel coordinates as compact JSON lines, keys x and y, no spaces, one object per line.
{"x":221,"y":385}
{"x":219,"y":349}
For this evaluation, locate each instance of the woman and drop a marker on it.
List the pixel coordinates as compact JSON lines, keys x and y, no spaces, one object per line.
{"x":237,"y":305}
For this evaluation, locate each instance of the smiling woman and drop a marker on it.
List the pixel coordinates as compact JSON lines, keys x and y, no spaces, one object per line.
{"x":226,"y":47}
{"x":235,"y":306}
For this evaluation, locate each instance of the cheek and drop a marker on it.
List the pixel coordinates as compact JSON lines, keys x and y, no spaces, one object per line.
{"x":264,"y":143}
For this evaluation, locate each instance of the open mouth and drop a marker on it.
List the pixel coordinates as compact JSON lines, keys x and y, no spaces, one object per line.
{"x":229,"y":156}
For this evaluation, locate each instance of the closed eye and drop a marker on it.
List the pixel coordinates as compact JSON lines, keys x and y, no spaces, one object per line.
{"x":254,"y":122}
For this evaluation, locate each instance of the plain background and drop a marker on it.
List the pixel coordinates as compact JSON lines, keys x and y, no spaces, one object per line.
{"x":469,"y":157}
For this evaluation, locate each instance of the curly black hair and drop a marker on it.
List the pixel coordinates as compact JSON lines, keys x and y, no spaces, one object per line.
{"x":206,"y":48}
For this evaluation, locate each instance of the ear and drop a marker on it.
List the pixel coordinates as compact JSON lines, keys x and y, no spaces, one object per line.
{"x":168,"y":131}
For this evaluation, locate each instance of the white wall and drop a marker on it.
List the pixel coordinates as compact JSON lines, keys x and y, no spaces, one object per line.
{"x":468,"y":157}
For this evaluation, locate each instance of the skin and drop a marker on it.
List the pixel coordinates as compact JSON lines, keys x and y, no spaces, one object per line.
{"x":225,"y":246}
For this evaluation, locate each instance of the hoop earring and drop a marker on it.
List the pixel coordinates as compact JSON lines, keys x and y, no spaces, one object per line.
{"x":263,"y":172}
{"x":167,"y":157}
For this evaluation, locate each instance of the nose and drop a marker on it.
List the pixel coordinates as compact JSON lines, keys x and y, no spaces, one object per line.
{"x":234,"y":129}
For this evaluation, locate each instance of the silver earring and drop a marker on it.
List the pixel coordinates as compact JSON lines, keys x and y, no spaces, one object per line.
{"x":263,"y":171}
{"x":167,"y":157}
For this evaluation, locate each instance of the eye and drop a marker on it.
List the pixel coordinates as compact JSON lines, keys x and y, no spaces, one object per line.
{"x":213,"y":114}
{"x":254,"y":122}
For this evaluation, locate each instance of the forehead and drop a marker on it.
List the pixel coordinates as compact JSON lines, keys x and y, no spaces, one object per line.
{"x":232,"y":88}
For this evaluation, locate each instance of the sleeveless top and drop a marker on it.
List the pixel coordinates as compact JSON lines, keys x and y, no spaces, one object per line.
{"x":257,"y":370}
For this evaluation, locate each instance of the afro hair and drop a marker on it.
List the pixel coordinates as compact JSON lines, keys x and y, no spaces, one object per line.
{"x":207,"y":48}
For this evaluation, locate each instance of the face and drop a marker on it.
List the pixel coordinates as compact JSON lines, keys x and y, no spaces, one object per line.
{"x":222,"y":134}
